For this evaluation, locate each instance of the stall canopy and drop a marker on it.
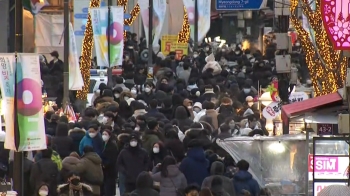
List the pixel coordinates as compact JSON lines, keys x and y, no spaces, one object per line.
{"x":309,"y":105}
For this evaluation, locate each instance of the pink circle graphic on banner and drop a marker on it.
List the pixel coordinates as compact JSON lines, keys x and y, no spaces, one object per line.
{"x":29,"y":102}
{"x":116,"y":33}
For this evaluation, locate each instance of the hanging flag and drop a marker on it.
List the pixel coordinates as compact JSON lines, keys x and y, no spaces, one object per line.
{"x":75,"y":79}
{"x":29,"y":103}
{"x":204,"y":14}
{"x":159,"y":11}
{"x":7,"y":67}
{"x":34,"y":6}
{"x":99,"y":17}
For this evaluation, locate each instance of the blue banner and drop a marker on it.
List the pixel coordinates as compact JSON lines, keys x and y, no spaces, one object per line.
{"x":238,"y":4}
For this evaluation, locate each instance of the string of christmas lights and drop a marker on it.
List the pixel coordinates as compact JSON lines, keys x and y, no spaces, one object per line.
{"x":86,"y":54}
{"x":326,"y":78}
{"x":184,"y":34}
{"x":134,"y":13}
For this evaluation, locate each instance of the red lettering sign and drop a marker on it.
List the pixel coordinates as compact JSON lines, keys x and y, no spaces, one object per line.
{"x":270,"y":111}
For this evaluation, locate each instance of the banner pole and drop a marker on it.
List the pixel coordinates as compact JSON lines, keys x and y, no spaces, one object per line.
{"x":66,"y":55}
{"x":109,"y":69}
{"x":195,"y":25}
{"x":150,"y":33}
{"x":18,"y":156}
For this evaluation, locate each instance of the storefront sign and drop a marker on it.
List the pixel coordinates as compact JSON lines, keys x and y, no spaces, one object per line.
{"x":325,"y":129}
{"x":166,"y":42}
{"x":298,"y":97}
{"x":328,"y":167}
{"x":318,"y":186}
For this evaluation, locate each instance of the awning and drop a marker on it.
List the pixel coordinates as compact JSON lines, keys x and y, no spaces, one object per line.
{"x":309,"y":105}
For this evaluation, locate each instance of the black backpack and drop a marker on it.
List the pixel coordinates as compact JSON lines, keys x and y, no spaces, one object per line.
{"x":49,"y":178}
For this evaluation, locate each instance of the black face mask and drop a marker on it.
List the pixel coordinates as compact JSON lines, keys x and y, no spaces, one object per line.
{"x":75,"y":181}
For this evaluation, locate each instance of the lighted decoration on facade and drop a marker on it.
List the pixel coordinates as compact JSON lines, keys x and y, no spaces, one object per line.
{"x":336,"y":17}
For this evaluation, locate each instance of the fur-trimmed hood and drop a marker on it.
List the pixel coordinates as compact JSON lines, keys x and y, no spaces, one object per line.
{"x":75,"y":130}
{"x":123,"y":136}
{"x":65,"y":187}
{"x":126,"y":94}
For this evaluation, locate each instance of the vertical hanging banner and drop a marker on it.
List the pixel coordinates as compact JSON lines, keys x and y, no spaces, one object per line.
{"x":75,"y":79}
{"x":144,"y":10}
{"x":99,"y":18}
{"x":159,"y":10}
{"x":204,"y":12}
{"x":7,"y":66}
{"x":29,"y":103}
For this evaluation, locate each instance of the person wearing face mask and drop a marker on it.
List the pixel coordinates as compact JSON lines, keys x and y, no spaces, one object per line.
{"x":246,"y":91}
{"x":148,"y":93}
{"x":116,"y":92}
{"x":43,"y":190}
{"x":74,"y":187}
{"x":56,"y":64}
{"x":90,"y":168}
{"x":109,"y":159}
{"x":108,"y":119}
{"x":132,"y":160}
{"x":157,"y":155}
{"x":92,"y":138}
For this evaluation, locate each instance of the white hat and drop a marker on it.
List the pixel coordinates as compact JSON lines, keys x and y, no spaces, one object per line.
{"x":249,"y":98}
{"x":198,"y":105}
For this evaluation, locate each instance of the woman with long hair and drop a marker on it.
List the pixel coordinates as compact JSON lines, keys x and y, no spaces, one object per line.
{"x":172,"y":180}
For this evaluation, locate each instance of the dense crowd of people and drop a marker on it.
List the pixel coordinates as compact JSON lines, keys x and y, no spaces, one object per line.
{"x":157,"y":137}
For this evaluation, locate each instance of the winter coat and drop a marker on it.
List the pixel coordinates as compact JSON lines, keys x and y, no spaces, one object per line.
{"x":148,"y":139}
{"x":96,"y":143}
{"x":68,"y":165}
{"x":181,"y":115}
{"x":175,"y":180}
{"x":195,"y":166}
{"x":243,"y":180}
{"x":46,"y":171}
{"x":217,"y":170}
{"x":90,"y":170}
{"x":154,"y":113}
{"x":132,"y":161}
{"x":63,"y":190}
{"x":144,"y":186}
{"x":63,"y":145}
{"x":213,"y":115}
{"x":77,"y":135}
{"x":109,"y":159}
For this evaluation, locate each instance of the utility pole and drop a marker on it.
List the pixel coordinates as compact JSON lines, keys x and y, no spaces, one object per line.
{"x":109,"y":33}
{"x":150,"y":34}
{"x":195,"y":24}
{"x":18,"y":156}
{"x":66,"y":54}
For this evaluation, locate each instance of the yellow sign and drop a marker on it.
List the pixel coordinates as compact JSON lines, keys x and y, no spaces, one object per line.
{"x":167,"y":40}
{"x":180,"y":49}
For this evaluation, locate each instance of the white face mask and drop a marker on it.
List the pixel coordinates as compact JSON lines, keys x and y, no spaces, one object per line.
{"x":223,"y":50}
{"x":105,"y":138}
{"x":250,"y":104}
{"x":243,"y":70}
{"x":189,"y":107}
{"x":246,"y":90}
{"x":137,"y":129}
{"x":195,"y":55}
{"x":133,"y":143}
{"x":126,"y":98}
{"x":207,"y":49}
{"x":237,"y":52}
{"x":297,"y":44}
{"x":232,"y":125}
{"x":104,"y":120}
{"x":155,"y":150}
{"x":92,"y":135}
{"x":116,"y":95}
{"x":147,"y":90}
{"x":98,"y":91}
{"x":197,"y":110}
{"x":43,"y":193}
{"x":133,"y":91}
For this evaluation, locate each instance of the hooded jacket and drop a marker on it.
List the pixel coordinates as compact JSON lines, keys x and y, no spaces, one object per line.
{"x":181,"y":116}
{"x":195,"y":166}
{"x":77,"y":135}
{"x":96,"y":143}
{"x":175,"y":180}
{"x":144,"y":186}
{"x":243,"y":180}
{"x":91,"y":172}
{"x":217,"y":170}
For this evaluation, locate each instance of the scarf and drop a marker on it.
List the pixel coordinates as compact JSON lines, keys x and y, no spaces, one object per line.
{"x":73,"y":188}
